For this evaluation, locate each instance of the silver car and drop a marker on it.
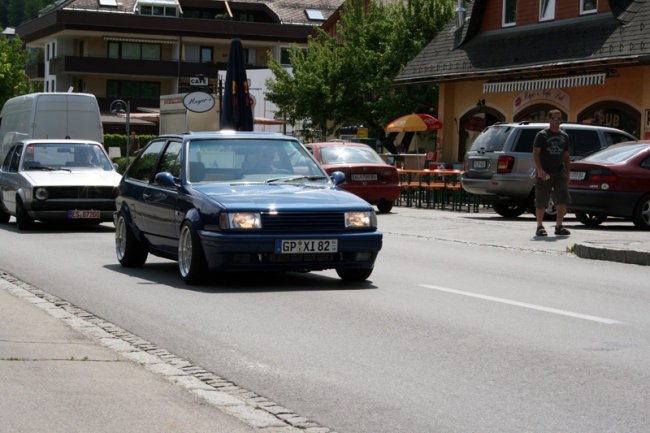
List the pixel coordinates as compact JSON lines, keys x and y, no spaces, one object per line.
{"x":499,"y":167}
{"x":57,"y":180}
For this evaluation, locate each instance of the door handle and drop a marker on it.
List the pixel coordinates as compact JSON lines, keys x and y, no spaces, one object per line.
{"x":146,"y":195}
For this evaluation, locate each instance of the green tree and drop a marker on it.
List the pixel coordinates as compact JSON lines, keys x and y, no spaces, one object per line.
{"x":13,"y":79}
{"x":347,"y":79}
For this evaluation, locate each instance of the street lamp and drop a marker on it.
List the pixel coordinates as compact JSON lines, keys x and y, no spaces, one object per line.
{"x":118,"y":106}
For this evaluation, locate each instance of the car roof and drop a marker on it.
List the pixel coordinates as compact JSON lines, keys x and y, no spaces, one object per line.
{"x":573,"y":125}
{"x":227,"y":133}
{"x":337,"y":143}
{"x":57,"y":141}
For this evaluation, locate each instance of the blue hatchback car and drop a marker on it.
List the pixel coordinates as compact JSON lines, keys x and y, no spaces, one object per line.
{"x":241,"y":201}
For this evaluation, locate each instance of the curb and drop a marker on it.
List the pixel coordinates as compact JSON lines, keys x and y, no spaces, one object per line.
{"x":603,"y":250}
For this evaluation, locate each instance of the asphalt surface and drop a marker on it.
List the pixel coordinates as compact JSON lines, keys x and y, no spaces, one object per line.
{"x":65,"y":370}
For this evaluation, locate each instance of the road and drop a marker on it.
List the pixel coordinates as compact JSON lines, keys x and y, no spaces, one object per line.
{"x":464,"y":327}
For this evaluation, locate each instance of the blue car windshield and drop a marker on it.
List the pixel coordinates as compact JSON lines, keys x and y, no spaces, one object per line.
{"x":250,"y":160}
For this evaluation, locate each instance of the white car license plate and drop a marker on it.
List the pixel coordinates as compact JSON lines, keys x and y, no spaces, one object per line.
{"x":364,"y":177}
{"x":577,"y":175}
{"x":306,"y":246}
{"x":84,"y":214}
{"x":479,"y":164}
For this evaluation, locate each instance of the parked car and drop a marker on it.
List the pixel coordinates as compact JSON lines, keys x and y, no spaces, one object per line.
{"x":499,"y":166}
{"x":366,"y":174}
{"x":613,"y":182}
{"x":241,"y":201}
{"x":57,"y":180}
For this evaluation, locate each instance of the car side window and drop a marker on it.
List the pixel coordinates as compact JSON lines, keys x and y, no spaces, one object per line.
{"x":6,"y":164}
{"x":646,"y":163}
{"x":615,"y":137}
{"x":144,"y":165}
{"x":583,"y":142}
{"x":525,"y":140}
{"x":13,"y":158}
{"x":171,"y":160}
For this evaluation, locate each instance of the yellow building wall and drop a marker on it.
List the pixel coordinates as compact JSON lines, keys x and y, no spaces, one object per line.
{"x":457,"y":99}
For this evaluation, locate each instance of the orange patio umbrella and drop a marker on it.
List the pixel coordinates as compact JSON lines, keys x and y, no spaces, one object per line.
{"x":415,"y":122}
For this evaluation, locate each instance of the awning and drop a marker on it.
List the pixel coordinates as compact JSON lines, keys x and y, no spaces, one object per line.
{"x":141,"y":40}
{"x":545,"y":83}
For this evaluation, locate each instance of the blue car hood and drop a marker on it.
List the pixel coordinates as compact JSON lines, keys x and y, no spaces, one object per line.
{"x":285,"y":196}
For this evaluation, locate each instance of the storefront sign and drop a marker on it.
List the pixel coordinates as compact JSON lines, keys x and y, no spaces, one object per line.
{"x":555,"y":97}
{"x":198,"y":102}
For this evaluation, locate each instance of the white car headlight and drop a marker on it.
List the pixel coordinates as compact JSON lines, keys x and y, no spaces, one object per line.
{"x":360,"y":219}
{"x":240,"y":221}
{"x":41,"y":194}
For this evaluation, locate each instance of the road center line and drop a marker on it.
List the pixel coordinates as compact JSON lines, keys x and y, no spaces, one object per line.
{"x":524,"y":305}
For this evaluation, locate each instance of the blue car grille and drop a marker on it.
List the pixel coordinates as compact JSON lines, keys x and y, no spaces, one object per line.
{"x":300,"y":222}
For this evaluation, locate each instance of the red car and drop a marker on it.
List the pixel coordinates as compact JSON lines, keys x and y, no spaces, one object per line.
{"x":612,"y":182}
{"x":366,"y":174}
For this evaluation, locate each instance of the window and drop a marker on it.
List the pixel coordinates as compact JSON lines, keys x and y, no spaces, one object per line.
{"x":249,"y":56}
{"x":509,"y":12}
{"x":158,"y":8}
{"x":206,"y":55}
{"x":131,"y":51}
{"x":546,"y":10}
{"x":588,"y":6}
{"x":132,"y":89}
{"x":110,"y":3}
{"x":284,"y":56}
{"x":315,"y":14}
{"x":134,"y":51}
{"x":150,"y":52}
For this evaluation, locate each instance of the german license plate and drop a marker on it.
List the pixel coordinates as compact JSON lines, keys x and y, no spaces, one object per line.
{"x":84,"y":214}
{"x":577,"y":175}
{"x":306,"y":246}
{"x":479,"y":163}
{"x":362,"y":177}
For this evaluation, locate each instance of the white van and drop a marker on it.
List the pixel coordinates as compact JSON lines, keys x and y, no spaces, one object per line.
{"x":50,"y":115}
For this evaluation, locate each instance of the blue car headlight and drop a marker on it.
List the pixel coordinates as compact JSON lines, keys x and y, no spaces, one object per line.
{"x":360,"y":219}
{"x":240,"y":221}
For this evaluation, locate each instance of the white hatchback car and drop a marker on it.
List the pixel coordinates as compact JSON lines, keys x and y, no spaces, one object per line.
{"x":57,"y":180}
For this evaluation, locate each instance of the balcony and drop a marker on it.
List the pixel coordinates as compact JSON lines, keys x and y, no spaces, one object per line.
{"x":150,"y":68}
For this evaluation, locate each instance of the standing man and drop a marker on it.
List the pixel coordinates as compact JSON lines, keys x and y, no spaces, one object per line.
{"x":134,"y":143}
{"x":551,"y":156}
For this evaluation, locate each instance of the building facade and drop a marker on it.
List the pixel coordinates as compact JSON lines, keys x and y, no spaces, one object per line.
{"x":513,"y":60}
{"x":138,"y":50}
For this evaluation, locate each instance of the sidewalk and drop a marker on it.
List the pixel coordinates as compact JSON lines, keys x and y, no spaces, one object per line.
{"x":614,"y":240}
{"x":54,"y":378}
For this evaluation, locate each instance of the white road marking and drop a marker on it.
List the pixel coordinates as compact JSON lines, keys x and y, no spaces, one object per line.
{"x":524,"y":305}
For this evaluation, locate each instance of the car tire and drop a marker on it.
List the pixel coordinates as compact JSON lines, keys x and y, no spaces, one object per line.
{"x":384,"y":206}
{"x":130,"y":252}
{"x":590,"y":219}
{"x":550,"y":212}
{"x":354,"y":275}
{"x":641,"y":215}
{"x":23,"y":220}
{"x":509,"y":209}
{"x":4,"y":216}
{"x":191,"y":261}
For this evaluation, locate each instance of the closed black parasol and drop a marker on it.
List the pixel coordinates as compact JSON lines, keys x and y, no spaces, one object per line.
{"x":237,"y":109}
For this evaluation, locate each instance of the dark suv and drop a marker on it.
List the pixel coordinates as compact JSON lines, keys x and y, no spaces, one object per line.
{"x":500,"y":167}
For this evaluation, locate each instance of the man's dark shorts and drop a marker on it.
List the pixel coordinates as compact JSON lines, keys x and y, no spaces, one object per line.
{"x":556,"y":185}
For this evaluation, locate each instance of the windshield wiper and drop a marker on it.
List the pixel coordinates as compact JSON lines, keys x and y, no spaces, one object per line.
{"x":294,"y":178}
{"x":47,"y":168}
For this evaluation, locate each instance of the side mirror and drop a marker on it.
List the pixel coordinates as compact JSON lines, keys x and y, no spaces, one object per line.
{"x":338,"y":177}
{"x":164,"y":178}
